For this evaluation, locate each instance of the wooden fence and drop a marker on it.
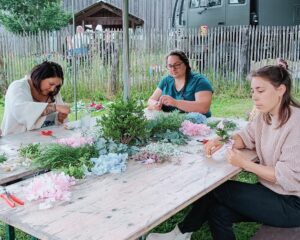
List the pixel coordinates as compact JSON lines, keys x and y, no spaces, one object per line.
{"x":223,"y":54}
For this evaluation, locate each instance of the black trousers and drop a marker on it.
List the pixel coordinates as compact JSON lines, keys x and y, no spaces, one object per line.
{"x":234,"y":202}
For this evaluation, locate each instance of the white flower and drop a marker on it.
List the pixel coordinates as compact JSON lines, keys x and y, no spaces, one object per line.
{"x":220,"y":125}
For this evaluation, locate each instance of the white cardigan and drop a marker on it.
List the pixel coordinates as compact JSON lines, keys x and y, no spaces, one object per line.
{"x":21,"y":113}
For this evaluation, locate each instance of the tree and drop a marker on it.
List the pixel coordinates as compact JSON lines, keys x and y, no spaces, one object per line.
{"x":33,"y":15}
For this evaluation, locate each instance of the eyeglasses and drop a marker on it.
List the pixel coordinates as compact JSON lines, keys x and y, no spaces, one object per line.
{"x":175,"y":66}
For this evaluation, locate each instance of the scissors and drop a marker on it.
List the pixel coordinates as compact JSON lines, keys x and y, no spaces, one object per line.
{"x":48,"y":133}
{"x":10,"y":198}
{"x":204,"y":141}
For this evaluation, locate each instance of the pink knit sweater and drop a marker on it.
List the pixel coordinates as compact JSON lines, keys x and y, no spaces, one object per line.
{"x":279,"y":148}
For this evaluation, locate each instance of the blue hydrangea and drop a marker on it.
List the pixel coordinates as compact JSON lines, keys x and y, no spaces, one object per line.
{"x":110,"y":163}
{"x":196,"y":117}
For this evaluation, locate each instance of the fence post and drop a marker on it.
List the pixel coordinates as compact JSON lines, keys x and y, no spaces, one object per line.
{"x":245,"y":59}
{"x":114,"y":71}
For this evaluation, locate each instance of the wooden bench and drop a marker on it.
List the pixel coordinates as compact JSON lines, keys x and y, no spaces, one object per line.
{"x":267,"y":232}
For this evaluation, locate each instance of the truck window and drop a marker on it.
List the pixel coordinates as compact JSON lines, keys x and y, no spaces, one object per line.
{"x":204,"y":3}
{"x":236,"y":1}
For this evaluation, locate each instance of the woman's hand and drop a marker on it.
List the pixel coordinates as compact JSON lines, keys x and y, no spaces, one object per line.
{"x":154,"y":105}
{"x":168,"y":101}
{"x":238,"y":142}
{"x":64,"y":109}
{"x":239,"y":159}
{"x":236,"y":157}
{"x":212,"y":146}
{"x":61,"y":117}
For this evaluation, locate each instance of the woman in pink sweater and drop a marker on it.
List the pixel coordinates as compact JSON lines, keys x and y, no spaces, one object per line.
{"x":275,"y":134}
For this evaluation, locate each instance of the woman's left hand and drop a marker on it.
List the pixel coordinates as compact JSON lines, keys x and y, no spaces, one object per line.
{"x":168,"y":101}
{"x":235,"y":157}
{"x":61,"y":117}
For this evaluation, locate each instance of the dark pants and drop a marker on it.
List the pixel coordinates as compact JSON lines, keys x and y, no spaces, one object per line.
{"x":234,"y":202}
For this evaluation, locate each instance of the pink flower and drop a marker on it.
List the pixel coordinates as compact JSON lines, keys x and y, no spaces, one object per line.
{"x":99,"y":107}
{"x":53,"y":186}
{"x":193,"y":129}
{"x":93,"y":104}
{"x":75,"y":141}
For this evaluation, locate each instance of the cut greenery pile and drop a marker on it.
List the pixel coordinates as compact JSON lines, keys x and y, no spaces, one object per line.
{"x":122,"y":131}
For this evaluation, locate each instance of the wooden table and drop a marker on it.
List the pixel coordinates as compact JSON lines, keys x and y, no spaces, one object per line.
{"x":126,"y":205}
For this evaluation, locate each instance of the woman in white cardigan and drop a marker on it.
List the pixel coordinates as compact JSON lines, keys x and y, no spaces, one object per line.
{"x":34,"y":102}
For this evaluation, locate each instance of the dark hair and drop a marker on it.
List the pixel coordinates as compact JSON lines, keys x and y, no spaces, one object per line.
{"x":182,"y":56}
{"x":277,"y":75}
{"x":46,"y":70}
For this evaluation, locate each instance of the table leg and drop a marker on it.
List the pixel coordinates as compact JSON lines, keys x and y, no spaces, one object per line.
{"x":9,"y":232}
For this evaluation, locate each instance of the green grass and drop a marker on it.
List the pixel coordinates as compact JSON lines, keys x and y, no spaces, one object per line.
{"x":231,"y":107}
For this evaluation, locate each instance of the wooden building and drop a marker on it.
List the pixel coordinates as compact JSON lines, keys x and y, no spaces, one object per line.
{"x":106,"y":15}
{"x":155,"y":13}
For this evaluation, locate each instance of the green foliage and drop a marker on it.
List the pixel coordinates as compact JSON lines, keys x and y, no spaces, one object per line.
{"x":163,"y":122}
{"x":124,"y":121}
{"x":65,"y":158}
{"x":175,"y":137}
{"x":165,"y":128}
{"x":247,"y":177}
{"x":30,"y":151}
{"x":3,"y":158}
{"x":33,"y":15}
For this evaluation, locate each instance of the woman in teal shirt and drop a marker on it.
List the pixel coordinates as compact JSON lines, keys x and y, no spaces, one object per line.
{"x":182,"y":89}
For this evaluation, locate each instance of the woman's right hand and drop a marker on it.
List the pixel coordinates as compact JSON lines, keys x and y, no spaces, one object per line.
{"x":154,"y":105}
{"x":212,"y":146}
{"x":65,"y":109}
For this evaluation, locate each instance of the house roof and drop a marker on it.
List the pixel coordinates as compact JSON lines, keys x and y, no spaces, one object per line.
{"x":105,"y":14}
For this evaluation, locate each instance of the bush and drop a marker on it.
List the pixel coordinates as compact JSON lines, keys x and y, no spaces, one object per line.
{"x":124,"y":121}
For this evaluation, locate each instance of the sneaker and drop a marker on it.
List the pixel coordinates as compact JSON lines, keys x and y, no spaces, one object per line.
{"x":175,"y":234}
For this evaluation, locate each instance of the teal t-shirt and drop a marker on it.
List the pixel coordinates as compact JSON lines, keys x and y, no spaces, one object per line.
{"x":196,"y":83}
